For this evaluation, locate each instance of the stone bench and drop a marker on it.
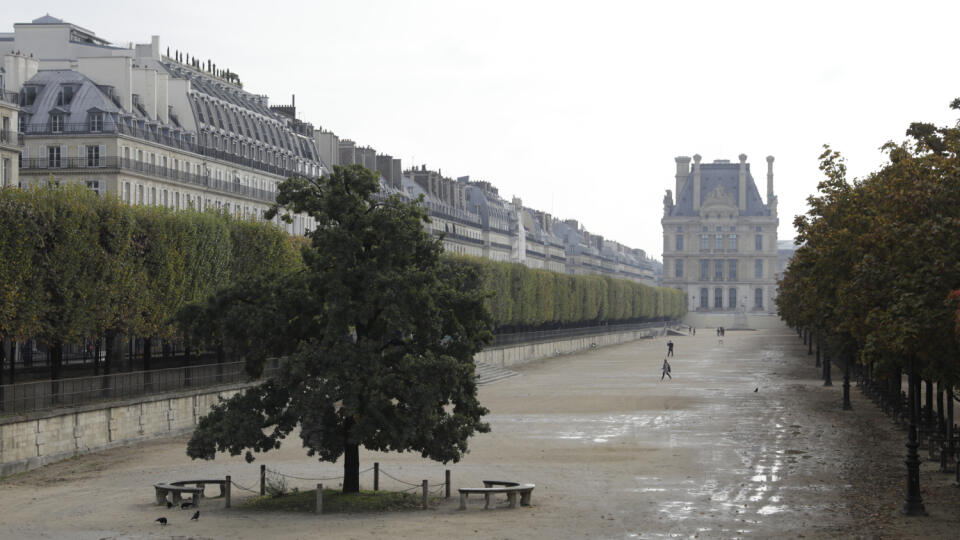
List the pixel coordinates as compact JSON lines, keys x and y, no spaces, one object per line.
{"x":200,"y":484}
{"x":491,"y":487}
{"x":176,"y":491}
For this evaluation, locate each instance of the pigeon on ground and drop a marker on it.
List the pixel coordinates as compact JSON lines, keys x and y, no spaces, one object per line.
{"x":162,"y":520}
{"x":169,"y":504}
{"x":196,"y":516}
{"x":757,"y":388}
{"x":185,"y":505}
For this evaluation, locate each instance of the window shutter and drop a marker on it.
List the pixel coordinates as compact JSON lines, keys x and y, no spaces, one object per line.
{"x":81,"y":156}
{"x":102,"y":156}
{"x":63,"y":155}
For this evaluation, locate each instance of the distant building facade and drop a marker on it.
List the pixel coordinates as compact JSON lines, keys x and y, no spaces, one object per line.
{"x":150,"y":128}
{"x":720,"y":238}
{"x":167,"y":129}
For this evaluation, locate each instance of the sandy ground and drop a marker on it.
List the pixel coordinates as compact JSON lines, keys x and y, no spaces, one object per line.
{"x":614,"y":453}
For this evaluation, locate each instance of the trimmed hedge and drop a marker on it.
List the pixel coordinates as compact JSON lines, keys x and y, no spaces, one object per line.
{"x":525,"y":298}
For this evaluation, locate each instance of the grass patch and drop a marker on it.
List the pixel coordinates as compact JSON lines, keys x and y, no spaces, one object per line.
{"x":337,"y":502}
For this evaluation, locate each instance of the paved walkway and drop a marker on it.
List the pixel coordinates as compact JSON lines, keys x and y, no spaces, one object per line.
{"x":614,"y":452}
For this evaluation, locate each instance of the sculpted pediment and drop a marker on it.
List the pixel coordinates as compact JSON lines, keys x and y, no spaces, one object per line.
{"x":719,"y":200}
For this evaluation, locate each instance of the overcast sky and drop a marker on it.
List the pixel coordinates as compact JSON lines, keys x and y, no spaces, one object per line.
{"x":578,"y":108}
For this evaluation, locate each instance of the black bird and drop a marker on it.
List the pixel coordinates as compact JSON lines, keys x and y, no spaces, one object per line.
{"x":162,"y":520}
{"x":196,"y":516}
{"x":169,"y":504}
{"x":757,"y":388}
{"x":185,"y":505}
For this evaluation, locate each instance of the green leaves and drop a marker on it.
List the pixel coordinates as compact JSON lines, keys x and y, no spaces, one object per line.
{"x":881,"y":254}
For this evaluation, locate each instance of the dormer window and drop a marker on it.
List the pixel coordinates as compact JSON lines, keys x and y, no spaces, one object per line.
{"x":28,"y":95}
{"x":96,"y":122}
{"x":56,"y":123}
{"x":65,"y":96}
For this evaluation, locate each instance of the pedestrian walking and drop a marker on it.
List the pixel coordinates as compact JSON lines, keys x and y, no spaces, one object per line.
{"x":666,"y":370}
{"x":670,"y":348}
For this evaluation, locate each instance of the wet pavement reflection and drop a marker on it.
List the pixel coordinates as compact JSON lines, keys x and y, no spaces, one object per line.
{"x":701,"y":455}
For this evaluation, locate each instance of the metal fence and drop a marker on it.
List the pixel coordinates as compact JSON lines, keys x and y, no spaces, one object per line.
{"x":502,"y":340}
{"x":52,"y":394}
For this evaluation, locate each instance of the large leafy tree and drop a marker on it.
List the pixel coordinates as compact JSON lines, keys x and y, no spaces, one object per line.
{"x":380,"y":333}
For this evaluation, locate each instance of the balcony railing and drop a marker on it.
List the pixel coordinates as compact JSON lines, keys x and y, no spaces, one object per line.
{"x":9,"y":97}
{"x":11,"y":138}
{"x":165,"y":137}
{"x":115,"y":163}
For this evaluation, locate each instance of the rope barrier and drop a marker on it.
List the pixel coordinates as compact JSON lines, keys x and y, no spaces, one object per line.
{"x":278,"y":473}
{"x":244,"y":488}
{"x":397,"y":479}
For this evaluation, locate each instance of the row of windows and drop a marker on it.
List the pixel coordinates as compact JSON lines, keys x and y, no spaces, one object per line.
{"x":183,"y":165}
{"x":140,"y":194}
{"x":708,"y":241}
{"x":718,"y":298}
{"x":718,"y":269}
{"x":704,"y":228}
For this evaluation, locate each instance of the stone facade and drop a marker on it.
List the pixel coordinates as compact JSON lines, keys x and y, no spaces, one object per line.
{"x":147,"y":127}
{"x":720,"y":238}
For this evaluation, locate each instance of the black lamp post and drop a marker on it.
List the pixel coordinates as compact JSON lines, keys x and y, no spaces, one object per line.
{"x":913,"y":504}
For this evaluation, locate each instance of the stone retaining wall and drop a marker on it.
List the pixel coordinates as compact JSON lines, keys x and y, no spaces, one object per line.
{"x":34,"y":440}
{"x":512,"y":355}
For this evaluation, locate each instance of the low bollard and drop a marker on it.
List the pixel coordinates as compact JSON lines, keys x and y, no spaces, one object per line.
{"x":226,"y":493}
{"x":319,"y":499}
{"x":425,"y":491}
{"x":263,"y":480}
{"x":376,"y":475}
{"x":447,"y":484}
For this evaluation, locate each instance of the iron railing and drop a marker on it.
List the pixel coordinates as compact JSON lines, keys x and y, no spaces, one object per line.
{"x":10,"y":138}
{"x":51,"y":394}
{"x":172,"y":138}
{"x":114,"y":163}
{"x":502,"y":340}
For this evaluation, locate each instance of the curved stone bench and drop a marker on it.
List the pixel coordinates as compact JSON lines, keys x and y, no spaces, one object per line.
{"x":491,"y":487}
{"x":202,"y":483}
{"x":176,"y":491}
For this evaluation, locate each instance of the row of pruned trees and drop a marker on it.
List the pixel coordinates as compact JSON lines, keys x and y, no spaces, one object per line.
{"x":76,"y":267}
{"x":528,"y":299}
{"x":877,"y":261}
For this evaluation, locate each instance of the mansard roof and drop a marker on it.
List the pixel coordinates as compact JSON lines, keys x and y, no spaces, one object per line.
{"x":726,"y":176}
{"x":86,"y":96}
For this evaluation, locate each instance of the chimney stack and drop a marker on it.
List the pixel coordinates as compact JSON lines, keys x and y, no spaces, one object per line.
{"x":683,"y":173}
{"x":769,"y":179}
{"x":696,"y":182}
{"x":742,"y":186}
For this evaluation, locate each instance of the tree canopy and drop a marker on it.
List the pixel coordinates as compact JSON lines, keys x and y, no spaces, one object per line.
{"x":380,"y":335}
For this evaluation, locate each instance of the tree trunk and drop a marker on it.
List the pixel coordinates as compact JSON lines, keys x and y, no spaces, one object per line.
{"x":147,"y":376}
{"x":846,"y":383}
{"x":949,"y":449}
{"x":351,"y":468}
{"x":56,"y":359}
{"x":813,"y":336}
{"x":928,"y":411}
{"x":827,"y":381}
{"x":941,"y":424}
{"x":819,"y":343}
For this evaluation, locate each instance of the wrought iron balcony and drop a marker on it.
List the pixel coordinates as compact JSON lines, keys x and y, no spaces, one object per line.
{"x":178,"y":140}
{"x":112,"y":163}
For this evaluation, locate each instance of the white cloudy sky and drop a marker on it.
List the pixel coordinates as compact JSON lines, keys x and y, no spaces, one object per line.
{"x":577,"y":107}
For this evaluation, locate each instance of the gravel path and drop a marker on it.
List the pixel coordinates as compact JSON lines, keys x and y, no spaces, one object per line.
{"x":614,"y":452}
